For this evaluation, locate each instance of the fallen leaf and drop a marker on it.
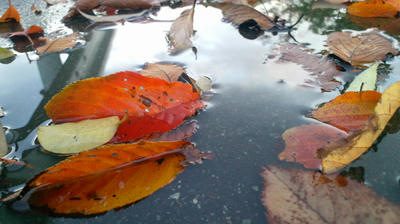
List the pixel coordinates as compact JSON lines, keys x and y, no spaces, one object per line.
{"x":3,"y":142}
{"x":204,"y":83}
{"x":238,"y":14}
{"x":50,"y":3}
{"x":326,"y":4}
{"x":74,"y":137}
{"x":109,"y":177}
{"x":181,"y":133}
{"x":372,"y":8}
{"x":59,"y":44}
{"x":360,"y":143}
{"x":359,"y":49}
{"x":114,"y":18}
{"x":11,"y":14}
{"x":5,"y":53}
{"x":366,"y":80}
{"x":349,"y":111}
{"x":296,"y":196}
{"x":168,"y":72}
{"x":127,"y":4}
{"x":15,"y":162}
{"x":152,"y":104}
{"x":181,"y":31}
{"x":82,"y":5}
{"x":34,"y":30}
{"x":390,"y":25}
{"x":323,"y":71}
{"x":394,"y":3}
{"x":303,"y":142}
{"x":10,"y":27}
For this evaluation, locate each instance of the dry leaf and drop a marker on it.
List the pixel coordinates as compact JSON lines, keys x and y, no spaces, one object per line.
{"x":296,"y":196}
{"x":114,"y":18}
{"x":238,"y":14}
{"x":168,"y":72}
{"x":364,"y":48}
{"x":60,"y":44}
{"x":358,"y":144}
{"x":204,"y":83}
{"x":181,"y":31}
{"x":303,"y":142}
{"x":372,"y":8}
{"x":349,"y":111}
{"x":3,"y":142}
{"x":109,"y":177}
{"x":68,"y":138}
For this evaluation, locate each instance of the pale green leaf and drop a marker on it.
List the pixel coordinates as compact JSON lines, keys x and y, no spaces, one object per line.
{"x":3,"y":142}
{"x":366,"y":79}
{"x":75,"y":137}
{"x":5,"y":53}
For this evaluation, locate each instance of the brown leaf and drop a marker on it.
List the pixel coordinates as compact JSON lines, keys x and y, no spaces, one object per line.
{"x":181,"y":31}
{"x":390,"y":25}
{"x":237,"y":14}
{"x":168,"y":72}
{"x":127,"y":4}
{"x":83,"y":5}
{"x":181,"y":133}
{"x":36,"y":10}
{"x":360,"y":49}
{"x":50,"y":3}
{"x":57,"y":45}
{"x":295,"y":196}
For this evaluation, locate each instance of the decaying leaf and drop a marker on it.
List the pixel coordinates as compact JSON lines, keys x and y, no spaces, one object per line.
{"x":296,"y":196}
{"x":74,"y":137}
{"x":152,"y":104}
{"x":360,"y":143}
{"x":349,"y":111}
{"x":3,"y":142}
{"x":390,"y":25}
{"x":60,"y":44}
{"x":109,"y":177}
{"x":238,"y":14}
{"x":113,"y":18}
{"x":323,"y":71}
{"x":303,"y":142}
{"x":166,"y":71}
{"x":372,"y":8}
{"x":359,"y":49}
{"x":11,"y":14}
{"x":366,"y":80}
{"x":181,"y":31}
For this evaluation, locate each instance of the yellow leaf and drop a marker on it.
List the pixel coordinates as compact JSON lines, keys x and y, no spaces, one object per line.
{"x":358,"y":144}
{"x":75,"y":137}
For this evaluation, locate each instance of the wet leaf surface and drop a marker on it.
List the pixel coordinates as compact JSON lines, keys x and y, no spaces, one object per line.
{"x":365,"y":81}
{"x":390,"y":25}
{"x":372,"y":8}
{"x":181,"y":31}
{"x":113,"y":18}
{"x":59,"y":44}
{"x":296,"y":196}
{"x":166,"y":71}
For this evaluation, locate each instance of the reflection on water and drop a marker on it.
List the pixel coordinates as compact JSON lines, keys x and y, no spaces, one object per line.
{"x":251,"y":109}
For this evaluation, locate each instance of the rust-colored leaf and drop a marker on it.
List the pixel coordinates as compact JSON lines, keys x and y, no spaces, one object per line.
{"x":10,"y":15}
{"x":364,"y":48}
{"x":166,"y":71}
{"x":349,"y":111}
{"x":372,"y":8}
{"x":394,"y":3}
{"x":109,"y":177}
{"x":303,"y":142}
{"x":296,"y":196}
{"x":59,"y":44}
{"x":34,"y":30}
{"x":152,"y":104}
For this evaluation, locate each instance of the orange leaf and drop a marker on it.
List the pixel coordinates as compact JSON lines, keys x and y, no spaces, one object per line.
{"x":372,"y":8}
{"x":10,"y":14}
{"x":109,"y":177}
{"x":349,"y":111}
{"x":394,"y":3}
{"x":152,"y":104}
{"x":33,"y":30}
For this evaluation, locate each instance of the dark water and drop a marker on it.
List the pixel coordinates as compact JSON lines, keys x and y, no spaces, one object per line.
{"x":249,"y":110}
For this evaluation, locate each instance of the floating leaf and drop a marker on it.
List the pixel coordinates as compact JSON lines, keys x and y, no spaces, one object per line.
{"x":109,"y":177}
{"x":181,"y":133}
{"x":114,"y":18}
{"x":303,"y":142}
{"x":3,"y":142}
{"x":11,"y":14}
{"x":204,"y":83}
{"x":49,"y":3}
{"x":152,"y":105}
{"x":326,"y":4}
{"x":60,"y":44}
{"x":349,"y":111}
{"x":359,"y":49}
{"x":127,"y":4}
{"x":390,"y":25}
{"x":296,"y":196}
{"x":181,"y":31}
{"x":5,"y":53}
{"x":366,"y":80}
{"x":359,"y":143}
{"x":168,"y":72}
{"x":372,"y":8}
{"x":238,"y":14}
{"x":394,"y":3}
{"x":75,"y":137}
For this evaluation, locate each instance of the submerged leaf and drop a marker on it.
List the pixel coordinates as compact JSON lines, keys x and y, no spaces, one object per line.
{"x":349,"y":111}
{"x":366,"y":80}
{"x":75,"y":137}
{"x":359,"y":143}
{"x":168,"y":72}
{"x":59,"y":44}
{"x":303,"y":142}
{"x":181,"y":31}
{"x":360,"y":49}
{"x":372,"y":8}
{"x":152,"y":105}
{"x":109,"y":177}
{"x":296,"y":196}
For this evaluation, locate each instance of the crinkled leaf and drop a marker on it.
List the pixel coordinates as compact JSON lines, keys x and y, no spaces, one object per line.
{"x":181,"y":31}
{"x":75,"y":137}
{"x":109,"y":177}
{"x":113,"y":18}
{"x":339,"y":157}
{"x":360,"y":49}
{"x":349,"y":111}
{"x":303,"y":142}
{"x":296,"y":196}
{"x":372,"y":8}
{"x":10,"y":15}
{"x":166,"y":71}
{"x":152,"y":104}
{"x":366,"y":80}
{"x":59,"y":44}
